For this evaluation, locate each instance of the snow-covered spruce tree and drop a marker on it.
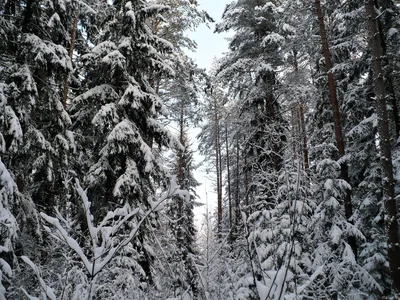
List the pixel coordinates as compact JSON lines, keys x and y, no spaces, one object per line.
{"x":34,"y":85}
{"x":8,"y":227}
{"x":8,"y":126}
{"x":210,"y":142}
{"x":385,"y":149}
{"x":342,"y":274}
{"x":250,"y":69}
{"x":354,"y":86}
{"x":116,"y":120}
{"x":182,"y":17}
{"x":388,"y":30}
{"x":181,"y":97}
{"x":359,"y":125}
{"x":334,"y":96}
{"x":90,"y":271}
{"x":183,"y":255}
{"x":295,"y":85}
{"x":36,"y":141}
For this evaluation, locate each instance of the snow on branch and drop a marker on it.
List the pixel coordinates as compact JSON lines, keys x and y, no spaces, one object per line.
{"x":105,"y":239}
{"x":47,"y":292}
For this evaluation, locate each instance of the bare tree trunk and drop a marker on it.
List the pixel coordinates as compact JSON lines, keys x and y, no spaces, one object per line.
{"x":303,"y":136}
{"x":246,"y":181}
{"x":385,"y":148}
{"x":228,"y":175}
{"x":237,"y":190}
{"x":180,"y":162}
{"x":295,"y":122}
{"x":336,"y":118}
{"x":218,"y":167}
{"x":295,"y":131}
{"x":70,"y":54}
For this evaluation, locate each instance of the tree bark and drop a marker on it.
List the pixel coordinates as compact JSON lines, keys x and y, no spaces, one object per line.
{"x":336,"y":117}
{"x":295,"y":131}
{"x":303,"y":137}
{"x":385,"y":148}
{"x":218,"y":167}
{"x":228,"y":175}
{"x":246,"y":181}
{"x":180,"y":160}
{"x":237,"y":190}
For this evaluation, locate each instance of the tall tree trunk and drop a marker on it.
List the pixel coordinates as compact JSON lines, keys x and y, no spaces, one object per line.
{"x":295,"y":131}
{"x":336,"y":117}
{"x":388,"y":73}
{"x":180,"y":158}
{"x":303,"y":136}
{"x":237,"y":188}
{"x":70,"y":54}
{"x":180,"y":175}
{"x":246,"y":181}
{"x":218,"y":167}
{"x":385,"y":148}
{"x":228,"y":175}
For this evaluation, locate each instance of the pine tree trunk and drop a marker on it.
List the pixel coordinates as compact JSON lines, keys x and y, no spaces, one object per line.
{"x":180,"y":175}
{"x":218,"y":167}
{"x":237,"y":189}
{"x":228,"y":175}
{"x":336,"y":117}
{"x":385,"y":149}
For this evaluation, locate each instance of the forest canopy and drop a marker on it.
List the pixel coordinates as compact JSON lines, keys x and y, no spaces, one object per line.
{"x":299,"y":127}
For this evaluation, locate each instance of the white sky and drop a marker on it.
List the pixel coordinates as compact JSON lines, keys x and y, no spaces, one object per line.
{"x":210,"y":46}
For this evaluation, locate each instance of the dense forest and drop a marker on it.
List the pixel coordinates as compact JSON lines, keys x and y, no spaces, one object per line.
{"x":300,"y":128}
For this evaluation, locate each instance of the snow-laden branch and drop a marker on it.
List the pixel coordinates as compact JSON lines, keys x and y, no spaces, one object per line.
{"x":46,"y":291}
{"x":104,"y":236}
